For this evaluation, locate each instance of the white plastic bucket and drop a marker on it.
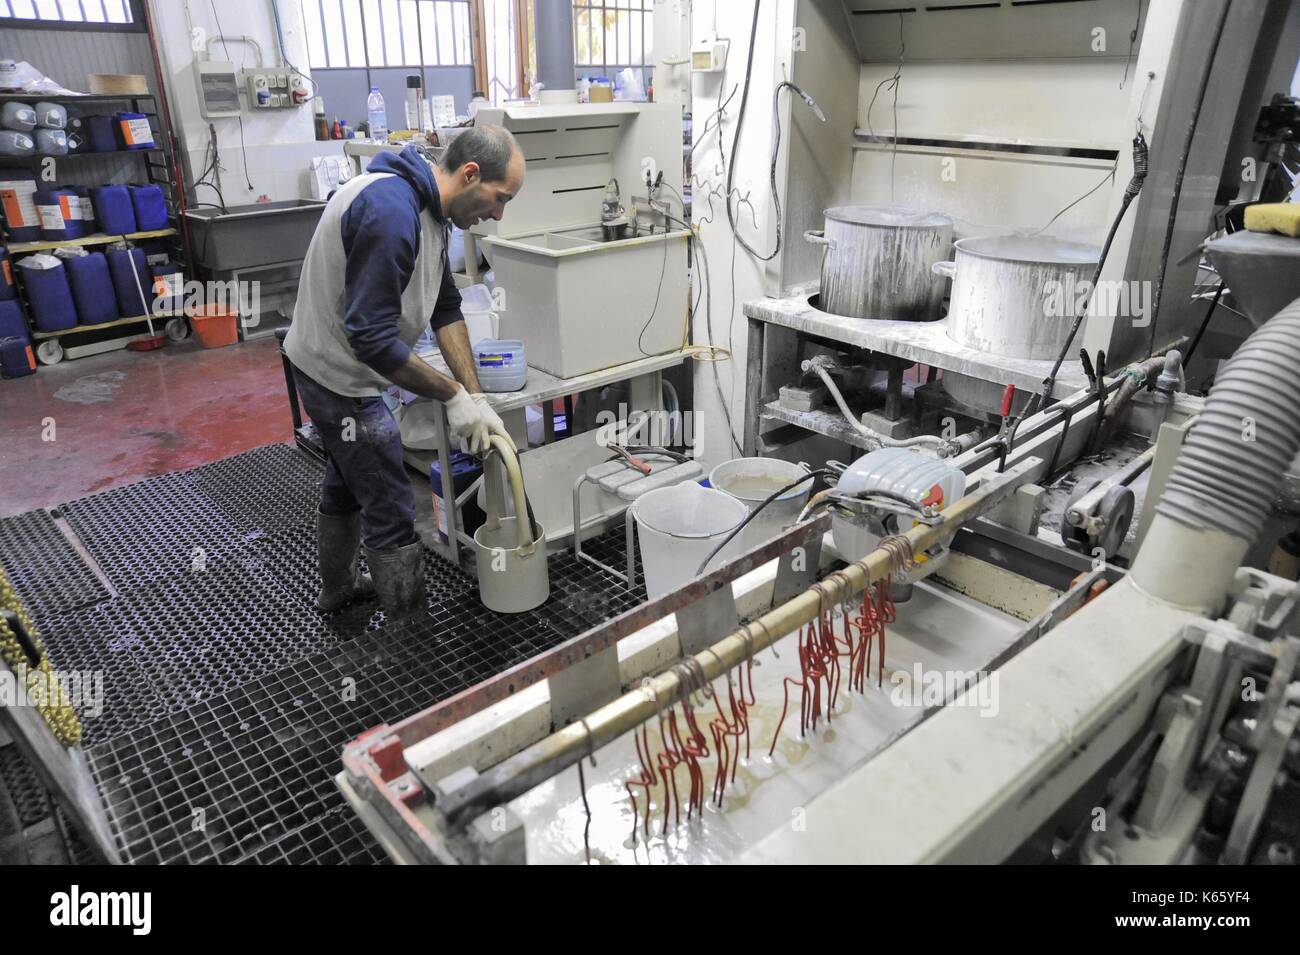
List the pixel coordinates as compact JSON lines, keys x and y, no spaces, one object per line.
{"x":677,"y":527}
{"x":752,"y":481}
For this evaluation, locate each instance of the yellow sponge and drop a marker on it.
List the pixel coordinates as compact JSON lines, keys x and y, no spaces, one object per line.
{"x":1281,"y":217}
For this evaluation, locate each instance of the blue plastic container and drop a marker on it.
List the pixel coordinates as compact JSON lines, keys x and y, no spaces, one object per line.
{"x":6,"y":276}
{"x":65,"y":214}
{"x":16,"y":358}
{"x":500,"y":364}
{"x":168,"y":287}
{"x":465,"y":470}
{"x":92,"y":289}
{"x":12,"y":322}
{"x":120,"y":266}
{"x":100,"y":137}
{"x":53,"y":309}
{"x":114,"y":209}
{"x":17,"y":187}
{"x":132,"y":131}
{"x":150,"y":207}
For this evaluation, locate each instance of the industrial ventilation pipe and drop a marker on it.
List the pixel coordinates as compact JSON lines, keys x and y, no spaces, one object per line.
{"x":1225,"y":480}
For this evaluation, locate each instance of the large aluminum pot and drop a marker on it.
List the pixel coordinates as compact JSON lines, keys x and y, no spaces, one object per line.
{"x":878,"y":260}
{"x":1016,"y":296}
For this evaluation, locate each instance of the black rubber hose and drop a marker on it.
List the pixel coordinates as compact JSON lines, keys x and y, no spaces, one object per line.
{"x":820,"y":472}
{"x":1140,"y":158}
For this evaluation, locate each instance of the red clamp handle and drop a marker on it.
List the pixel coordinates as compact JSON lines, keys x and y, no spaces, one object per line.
{"x":1008,"y":395}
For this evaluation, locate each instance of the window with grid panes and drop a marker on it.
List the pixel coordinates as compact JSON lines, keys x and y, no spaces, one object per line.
{"x":380,"y":33}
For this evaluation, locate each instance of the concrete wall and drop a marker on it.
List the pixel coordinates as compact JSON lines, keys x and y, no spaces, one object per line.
{"x":278,"y":145}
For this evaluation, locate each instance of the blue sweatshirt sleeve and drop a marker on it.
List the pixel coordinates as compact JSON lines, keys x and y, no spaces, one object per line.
{"x":447,"y":309}
{"x":381,"y":238}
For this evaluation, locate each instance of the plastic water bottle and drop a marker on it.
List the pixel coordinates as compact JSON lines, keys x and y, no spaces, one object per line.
{"x":376,"y":117}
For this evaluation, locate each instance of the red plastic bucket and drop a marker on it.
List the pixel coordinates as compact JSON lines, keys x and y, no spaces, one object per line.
{"x":214,"y":325}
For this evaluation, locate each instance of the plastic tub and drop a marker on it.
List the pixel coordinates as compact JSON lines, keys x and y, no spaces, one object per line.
{"x":500,"y":364}
{"x":214,"y":325}
{"x":510,"y":580}
{"x":677,"y":527}
{"x":751,"y":481}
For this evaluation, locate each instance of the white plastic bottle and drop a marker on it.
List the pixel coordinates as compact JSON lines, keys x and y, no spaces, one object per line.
{"x":376,"y":116}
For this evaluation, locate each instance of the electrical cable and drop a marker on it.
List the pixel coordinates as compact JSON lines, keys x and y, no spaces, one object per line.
{"x":1205,"y":323}
{"x":894,"y":81}
{"x":1132,"y":41}
{"x":811,"y":475}
{"x":735,"y":142}
{"x":1140,"y":158}
{"x":663,"y":270}
{"x":279,"y":40}
{"x":1182,"y":169}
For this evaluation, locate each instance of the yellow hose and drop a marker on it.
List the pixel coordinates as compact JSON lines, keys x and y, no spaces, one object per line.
{"x":511,"y":462}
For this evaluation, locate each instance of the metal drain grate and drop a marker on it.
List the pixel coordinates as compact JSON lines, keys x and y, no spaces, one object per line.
{"x":153,"y":529}
{"x":30,"y":799}
{"x":44,"y":568}
{"x":230,"y":778}
{"x":336,"y":839}
{"x":258,"y":760}
{"x":268,"y":489}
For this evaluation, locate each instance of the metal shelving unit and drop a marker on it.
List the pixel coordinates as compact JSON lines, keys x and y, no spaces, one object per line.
{"x":161,"y":168}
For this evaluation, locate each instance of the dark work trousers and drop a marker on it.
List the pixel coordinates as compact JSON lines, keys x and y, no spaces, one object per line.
{"x":364,"y":467}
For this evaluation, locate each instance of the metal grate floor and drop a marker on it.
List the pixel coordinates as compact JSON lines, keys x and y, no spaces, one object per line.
{"x":44,"y":568}
{"x":228,"y":698}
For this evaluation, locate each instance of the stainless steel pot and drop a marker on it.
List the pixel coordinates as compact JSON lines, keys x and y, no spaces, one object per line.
{"x":878,"y":262}
{"x":1015,"y":296}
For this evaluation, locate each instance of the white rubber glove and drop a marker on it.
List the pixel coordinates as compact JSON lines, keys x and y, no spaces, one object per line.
{"x":495,"y":424}
{"x":466,"y":419}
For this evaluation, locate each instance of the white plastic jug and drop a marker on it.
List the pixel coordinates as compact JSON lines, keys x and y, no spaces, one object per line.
{"x":677,"y":527}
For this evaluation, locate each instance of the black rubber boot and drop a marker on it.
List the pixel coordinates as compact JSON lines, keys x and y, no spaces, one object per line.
{"x":399,"y":580}
{"x":338,"y":546}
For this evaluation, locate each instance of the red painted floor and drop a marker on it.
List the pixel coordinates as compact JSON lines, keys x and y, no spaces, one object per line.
{"x":124,"y":416}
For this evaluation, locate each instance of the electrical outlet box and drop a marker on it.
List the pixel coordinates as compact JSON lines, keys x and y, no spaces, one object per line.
{"x":710,"y":55}
{"x":218,"y":88}
{"x":275,"y":90}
